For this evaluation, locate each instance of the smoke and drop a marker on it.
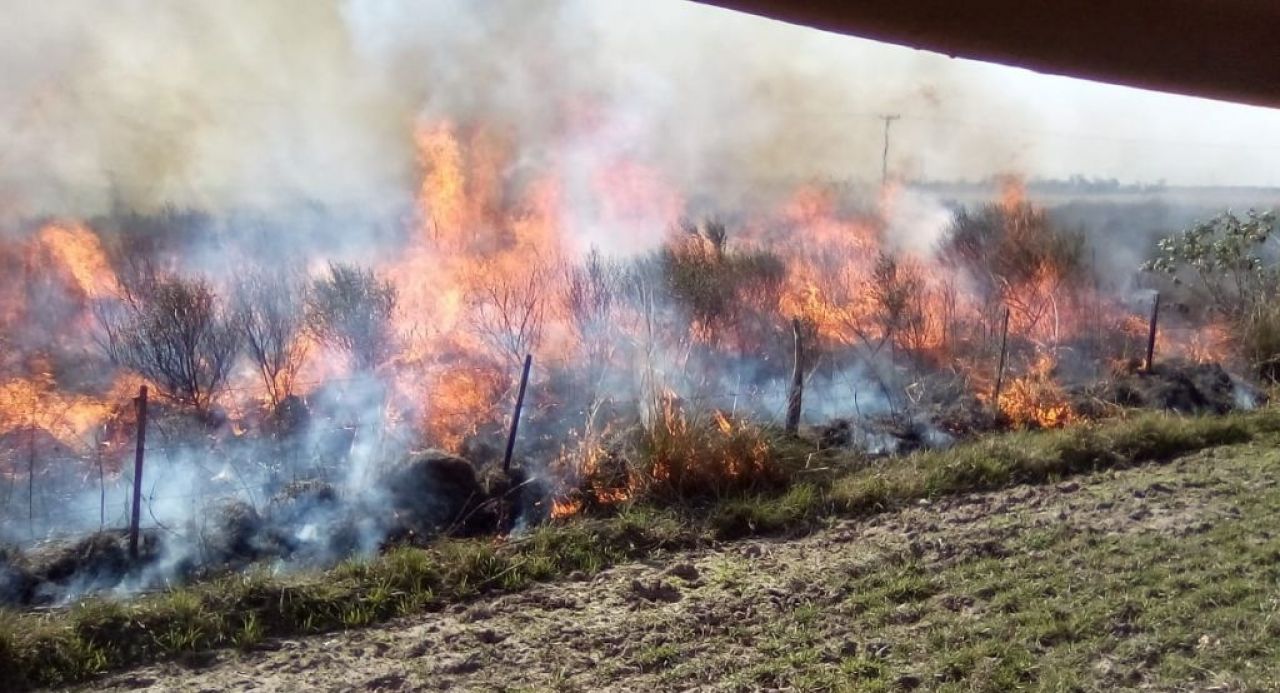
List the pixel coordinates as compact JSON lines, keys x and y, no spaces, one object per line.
{"x":241,"y":105}
{"x":211,"y":106}
{"x":241,"y":133}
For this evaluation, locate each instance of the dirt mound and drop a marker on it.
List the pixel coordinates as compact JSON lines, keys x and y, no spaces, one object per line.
{"x":17,"y":584}
{"x":1188,"y":388}
{"x":238,"y":535}
{"x":98,"y":561}
{"x":297,"y":499}
{"x":434,"y":493}
{"x":517,"y":498}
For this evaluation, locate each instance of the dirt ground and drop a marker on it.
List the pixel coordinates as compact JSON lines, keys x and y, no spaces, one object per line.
{"x":720,"y":619}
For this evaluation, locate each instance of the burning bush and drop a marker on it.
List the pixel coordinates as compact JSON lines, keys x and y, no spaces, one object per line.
{"x":689,"y":455}
{"x":271,"y":308}
{"x":1018,"y":259}
{"x":1229,"y":268}
{"x":175,"y":333}
{"x":350,"y":309}
{"x":721,"y":288}
{"x":508,"y":313}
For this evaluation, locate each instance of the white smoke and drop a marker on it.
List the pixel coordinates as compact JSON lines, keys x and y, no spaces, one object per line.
{"x":248,"y":105}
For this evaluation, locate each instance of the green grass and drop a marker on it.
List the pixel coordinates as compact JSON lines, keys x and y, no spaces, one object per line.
{"x":63,"y":647}
{"x":1069,"y":609}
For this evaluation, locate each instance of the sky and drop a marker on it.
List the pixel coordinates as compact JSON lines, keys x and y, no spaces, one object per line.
{"x":1044,"y":125}
{"x":240,"y":103}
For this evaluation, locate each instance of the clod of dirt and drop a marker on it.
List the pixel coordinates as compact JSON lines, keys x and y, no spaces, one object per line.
{"x":653,"y":591}
{"x":464,"y":665}
{"x":909,"y":682}
{"x":878,"y":649}
{"x":386,"y":682}
{"x":685,"y":571}
{"x":955,"y":602}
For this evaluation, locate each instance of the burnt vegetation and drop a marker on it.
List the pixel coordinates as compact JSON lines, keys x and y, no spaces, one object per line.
{"x":176,"y":333}
{"x":312,"y":425}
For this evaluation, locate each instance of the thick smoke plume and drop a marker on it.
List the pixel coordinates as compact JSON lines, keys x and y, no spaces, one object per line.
{"x":232,"y":105}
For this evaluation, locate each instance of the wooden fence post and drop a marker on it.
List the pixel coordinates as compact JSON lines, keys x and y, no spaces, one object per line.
{"x":1151,"y":334}
{"x":135,"y":517}
{"x":515,"y":418}
{"x":1004,"y":350}
{"x":796,"y":395}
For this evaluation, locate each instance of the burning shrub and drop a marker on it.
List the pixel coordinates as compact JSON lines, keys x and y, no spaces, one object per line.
{"x":1006,"y":244}
{"x":1037,"y":400}
{"x":589,"y":300}
{"x":350,"y":309}
{"x":1229,"y":267}
{"x":1017,"y":258}
{"x":679,"y":455}
{"x":507,"y":313}
{"x":271,"y":308}
{"x":898,"y":293}
{"x":719,"y":287}
{"x":175,"y":333}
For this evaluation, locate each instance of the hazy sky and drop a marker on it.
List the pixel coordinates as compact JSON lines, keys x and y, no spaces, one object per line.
{"x":245,"y":102}
{"x":1040,"y":124}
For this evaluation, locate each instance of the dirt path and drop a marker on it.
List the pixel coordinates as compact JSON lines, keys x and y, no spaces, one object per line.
{"x":753,"y":615}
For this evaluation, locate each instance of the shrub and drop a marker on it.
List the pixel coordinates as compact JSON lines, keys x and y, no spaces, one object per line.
{"x":719,"y":286}
{"x":271,"y":310}
{"x":1229,"y":263}
{"x":680,"y":455}
{"x":175,"y":333}
{"x":1230,"y":266}
{"x":350,"y":309}
{"x":1258,"y":333}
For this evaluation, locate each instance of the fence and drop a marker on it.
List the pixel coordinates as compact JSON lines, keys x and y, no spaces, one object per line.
{"x":48,"y":489}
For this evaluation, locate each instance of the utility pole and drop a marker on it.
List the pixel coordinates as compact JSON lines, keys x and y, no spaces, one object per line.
{"x":884,"y":158}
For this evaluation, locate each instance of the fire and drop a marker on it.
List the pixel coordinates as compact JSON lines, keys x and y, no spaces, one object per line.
{"x":1036,"y":399}
{"x":561,"y":509}
{"x":494,"y":268}
{"x":78,"y":251}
